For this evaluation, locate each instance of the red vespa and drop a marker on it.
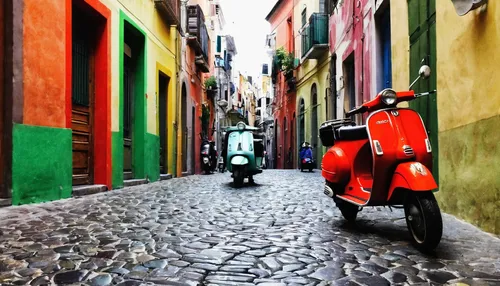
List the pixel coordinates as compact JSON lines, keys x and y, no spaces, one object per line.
{"x":387,"y":162}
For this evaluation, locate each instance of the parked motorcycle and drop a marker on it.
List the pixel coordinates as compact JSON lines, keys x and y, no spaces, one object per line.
{"x":306,"y":157}
{"x":243,"y":152}
{"x":387,"y":162}
{"x":208,"y":156}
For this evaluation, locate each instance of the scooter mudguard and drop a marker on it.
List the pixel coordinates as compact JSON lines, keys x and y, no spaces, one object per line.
{"x":412,"y":176}
{"x":239,"y":160}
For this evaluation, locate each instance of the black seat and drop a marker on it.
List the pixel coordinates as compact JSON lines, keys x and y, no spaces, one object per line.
{"x":352,"y":133}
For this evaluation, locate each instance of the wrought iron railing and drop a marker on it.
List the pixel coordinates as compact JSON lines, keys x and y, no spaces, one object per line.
{"x":315,"y":32}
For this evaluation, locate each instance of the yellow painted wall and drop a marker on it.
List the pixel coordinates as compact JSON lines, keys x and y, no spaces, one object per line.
{"x":161,"y":56}
{"x":468,"y":106}
{"x":469,"y":113}
{"x":467,"y":64}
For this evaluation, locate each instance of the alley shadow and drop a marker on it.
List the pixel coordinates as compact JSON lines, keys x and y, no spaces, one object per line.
{"x":394,"y":232}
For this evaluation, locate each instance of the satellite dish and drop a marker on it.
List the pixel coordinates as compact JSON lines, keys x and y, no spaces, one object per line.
{"x":463,"y":7}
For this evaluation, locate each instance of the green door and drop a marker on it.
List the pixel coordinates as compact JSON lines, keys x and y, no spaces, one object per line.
{"x":422,"y":29}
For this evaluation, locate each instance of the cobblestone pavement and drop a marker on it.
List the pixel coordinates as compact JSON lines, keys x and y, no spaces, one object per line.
{"x":198,"y":230}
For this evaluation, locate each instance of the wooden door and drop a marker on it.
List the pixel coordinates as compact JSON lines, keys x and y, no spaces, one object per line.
{"x":422,"y":29}
{"x":82,"y":103}
{"x":163,"y":115}
{"x":128,"y":104}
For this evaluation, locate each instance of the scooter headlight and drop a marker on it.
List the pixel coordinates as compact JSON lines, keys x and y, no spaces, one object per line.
{"x":241,"y":126}
{"x":388,"y":96}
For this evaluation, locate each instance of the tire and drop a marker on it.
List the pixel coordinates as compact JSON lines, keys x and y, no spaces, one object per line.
{"x":238,"y":178}
{"x":349,"y":211}
{"x":424,"y":221}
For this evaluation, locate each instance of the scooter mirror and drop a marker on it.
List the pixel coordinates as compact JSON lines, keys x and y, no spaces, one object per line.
{"x":424,"y":72}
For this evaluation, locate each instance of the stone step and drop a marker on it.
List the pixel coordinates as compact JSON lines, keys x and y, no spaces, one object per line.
{"x":134,"y":182}
{"x":164,"y":177}
{"x":85,"y":190}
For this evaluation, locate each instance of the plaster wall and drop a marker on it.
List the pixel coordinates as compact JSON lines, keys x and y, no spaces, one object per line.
{"x":469,"y":113}
{"x":279,"y":23}
{"x":44,"y":80}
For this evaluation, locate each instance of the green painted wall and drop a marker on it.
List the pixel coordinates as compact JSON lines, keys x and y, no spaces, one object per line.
{"x":41,"y":164}
{"x":152,"y":157}
{"x":117,"y":156}
{"x":139,"y":118}
{"x":469,"y":173}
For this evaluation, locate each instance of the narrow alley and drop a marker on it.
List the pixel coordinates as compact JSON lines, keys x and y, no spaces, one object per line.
{"x":199,"y":230}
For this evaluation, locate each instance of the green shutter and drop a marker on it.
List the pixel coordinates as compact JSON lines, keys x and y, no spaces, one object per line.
{"x":219,"y":43}
{"x":422,"y":33}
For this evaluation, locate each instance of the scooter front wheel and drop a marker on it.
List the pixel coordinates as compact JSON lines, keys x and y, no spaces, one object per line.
{"x":349,"y":211}
{"x":424,"y":221}
{"x":238,"y":178}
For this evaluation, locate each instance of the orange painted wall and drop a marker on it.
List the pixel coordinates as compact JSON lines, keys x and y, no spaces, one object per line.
{"x":279,"y":23}
{"x":44,"y":65}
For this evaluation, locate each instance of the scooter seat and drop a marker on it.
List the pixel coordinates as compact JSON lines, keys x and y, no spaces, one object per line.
{"x":352,"y":133}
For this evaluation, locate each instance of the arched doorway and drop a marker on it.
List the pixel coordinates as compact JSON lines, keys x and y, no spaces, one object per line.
{"x":301,"y":123}
{"x":184,"y":128}
{"x":314,"y":121}
{"x":286,"y":144}
{"x":275,"y":144}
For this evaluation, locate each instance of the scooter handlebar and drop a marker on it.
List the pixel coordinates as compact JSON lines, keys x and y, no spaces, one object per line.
{"x":356,"y":110}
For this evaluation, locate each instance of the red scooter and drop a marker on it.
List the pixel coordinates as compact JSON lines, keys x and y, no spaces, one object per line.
{"x":387,"y":162}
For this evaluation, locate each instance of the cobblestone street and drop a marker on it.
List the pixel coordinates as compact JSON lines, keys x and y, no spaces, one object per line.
{"x":198,"y":230}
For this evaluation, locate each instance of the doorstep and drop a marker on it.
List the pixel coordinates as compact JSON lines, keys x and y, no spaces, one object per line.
{"x":5,"y":202}
{"x":85,"y":190}
{"x":134,"y":182}
{"x":164,"y":177}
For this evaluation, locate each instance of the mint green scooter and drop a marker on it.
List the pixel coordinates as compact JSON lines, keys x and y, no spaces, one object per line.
{"x":243,"y":152}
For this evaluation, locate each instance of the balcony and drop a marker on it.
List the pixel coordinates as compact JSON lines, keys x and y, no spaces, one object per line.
{"x":169,"y":10}
{"x":315,"y":37}
{"x":197,"y":37}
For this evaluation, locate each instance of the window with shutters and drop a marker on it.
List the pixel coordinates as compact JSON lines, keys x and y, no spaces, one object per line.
{"x":304,"y":17}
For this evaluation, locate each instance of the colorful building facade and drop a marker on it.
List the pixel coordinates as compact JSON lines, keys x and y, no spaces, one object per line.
{"x":466,"y":105}
{"x":282,"y":36}
{"x":313,"y":82}
{"x":95,"y":98}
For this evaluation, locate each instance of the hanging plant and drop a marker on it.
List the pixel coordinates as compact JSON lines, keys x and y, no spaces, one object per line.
{"x":211,"y":83}
{"x":205,"y":117}
{"x":284,"y":60}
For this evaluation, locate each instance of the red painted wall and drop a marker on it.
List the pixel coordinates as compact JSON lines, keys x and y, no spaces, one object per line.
{"x":196,"y":94}
{"x":44,"y":65}
{"x":353,"y":27}
{"x":102,"y":110}
{"x":285,"y":103}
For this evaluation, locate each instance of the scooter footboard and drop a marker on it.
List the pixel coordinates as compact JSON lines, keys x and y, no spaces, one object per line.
{"x":412,"y":176}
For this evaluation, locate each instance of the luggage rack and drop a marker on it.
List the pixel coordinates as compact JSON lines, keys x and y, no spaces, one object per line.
{"x":328,"y":130}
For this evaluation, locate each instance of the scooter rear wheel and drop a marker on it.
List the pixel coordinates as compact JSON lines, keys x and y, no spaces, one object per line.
{"x":424,"y":220}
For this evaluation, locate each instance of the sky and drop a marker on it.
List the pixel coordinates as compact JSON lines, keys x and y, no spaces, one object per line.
{"x":245,"y":21}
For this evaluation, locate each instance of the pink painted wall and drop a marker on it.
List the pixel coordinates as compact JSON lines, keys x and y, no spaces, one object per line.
{"x":352,"y":31}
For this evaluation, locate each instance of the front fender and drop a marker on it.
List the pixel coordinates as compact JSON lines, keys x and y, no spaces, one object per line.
{"x":239,"y":160}
{"x":412,"y":176}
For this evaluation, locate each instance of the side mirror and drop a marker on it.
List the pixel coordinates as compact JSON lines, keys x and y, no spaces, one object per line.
{"x":424,"y":72}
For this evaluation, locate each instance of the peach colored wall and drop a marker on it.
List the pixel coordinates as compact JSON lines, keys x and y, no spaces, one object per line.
{"x":44,"y":64}
{"x":279,"y":24}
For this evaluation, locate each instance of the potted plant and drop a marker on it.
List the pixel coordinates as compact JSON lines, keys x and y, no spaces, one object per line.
{"x":211,"y":83}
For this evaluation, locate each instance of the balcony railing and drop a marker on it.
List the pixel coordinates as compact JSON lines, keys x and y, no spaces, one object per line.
{"x":170,"y":11}
{"x":315,"y":37}
{"x":198,"y":36}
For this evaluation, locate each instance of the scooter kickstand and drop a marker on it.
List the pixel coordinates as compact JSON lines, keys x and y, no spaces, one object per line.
{"x":390,"y":208}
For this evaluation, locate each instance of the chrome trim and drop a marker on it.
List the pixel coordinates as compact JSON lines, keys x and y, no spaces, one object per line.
{"x":408,"y":150}
{"x":353,"y":202}
{"x":378,"y":148}
{"x":428,"y":145}
{"x":328,"y":191}
{"x":395,"y":113}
